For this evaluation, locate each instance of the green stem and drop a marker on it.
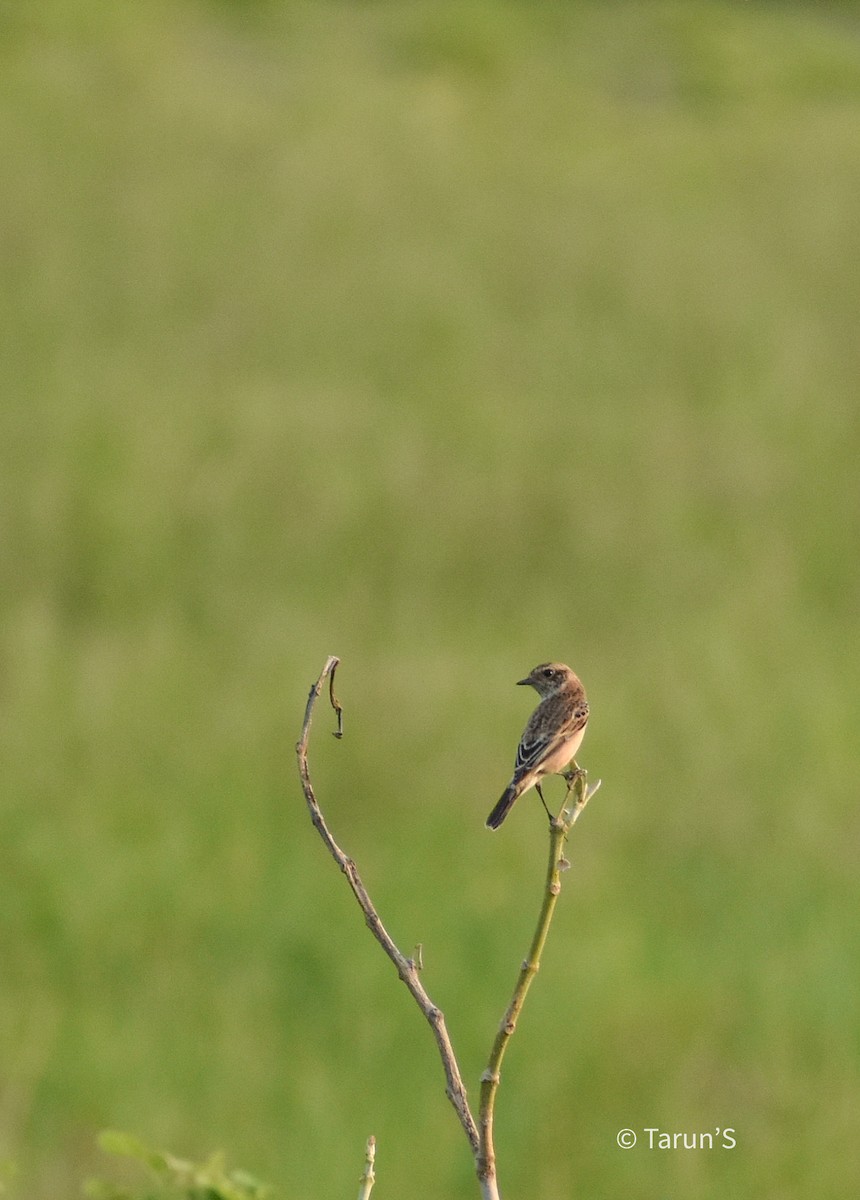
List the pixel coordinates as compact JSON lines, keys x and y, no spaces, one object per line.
{"x":558,"y":832}
{"x":368,"y":1178}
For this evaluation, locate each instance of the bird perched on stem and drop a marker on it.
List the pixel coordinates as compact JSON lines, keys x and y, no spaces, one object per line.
{"x":550,"y":739}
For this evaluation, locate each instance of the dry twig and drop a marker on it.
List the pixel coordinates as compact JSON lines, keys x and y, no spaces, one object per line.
{"x":406,"y":968}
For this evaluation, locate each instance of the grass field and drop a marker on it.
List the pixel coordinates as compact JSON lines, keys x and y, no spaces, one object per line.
{"x":446,"y":337}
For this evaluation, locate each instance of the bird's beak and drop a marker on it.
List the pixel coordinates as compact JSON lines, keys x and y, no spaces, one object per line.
{"x":523,"y":682}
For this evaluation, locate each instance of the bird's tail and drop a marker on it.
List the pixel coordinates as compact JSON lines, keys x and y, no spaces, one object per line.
{"x":503,"y":807}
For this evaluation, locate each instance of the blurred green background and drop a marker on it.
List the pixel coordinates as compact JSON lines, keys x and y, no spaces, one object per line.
{"x":445,"y":337}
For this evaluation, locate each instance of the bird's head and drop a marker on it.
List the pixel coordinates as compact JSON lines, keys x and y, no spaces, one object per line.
{"x":549,"y":678}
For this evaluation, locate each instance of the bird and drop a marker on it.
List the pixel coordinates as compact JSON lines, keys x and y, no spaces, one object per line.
{"x":551,"y":737}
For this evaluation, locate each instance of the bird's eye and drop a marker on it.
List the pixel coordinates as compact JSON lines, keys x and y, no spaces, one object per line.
{"x":548,"y":672}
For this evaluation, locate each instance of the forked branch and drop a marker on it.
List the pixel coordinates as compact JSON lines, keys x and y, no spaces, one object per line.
{"x":480,"y":1135}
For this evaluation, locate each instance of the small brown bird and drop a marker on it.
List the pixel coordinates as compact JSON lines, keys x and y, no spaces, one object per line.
{"x":552,"y":736}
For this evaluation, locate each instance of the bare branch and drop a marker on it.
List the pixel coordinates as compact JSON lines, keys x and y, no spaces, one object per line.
{"x":559,"y":829}
{"x":407,"y":968}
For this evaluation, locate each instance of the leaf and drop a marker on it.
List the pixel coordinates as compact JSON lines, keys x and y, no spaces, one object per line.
{"x":114,"y":1141}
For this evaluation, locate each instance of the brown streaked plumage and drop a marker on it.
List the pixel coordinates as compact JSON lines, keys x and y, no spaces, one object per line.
{"x":552,"y":736}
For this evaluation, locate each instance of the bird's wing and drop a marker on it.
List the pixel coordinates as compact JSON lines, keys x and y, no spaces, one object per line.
{"x":530,"y":752}
{"x":536,"y":745}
